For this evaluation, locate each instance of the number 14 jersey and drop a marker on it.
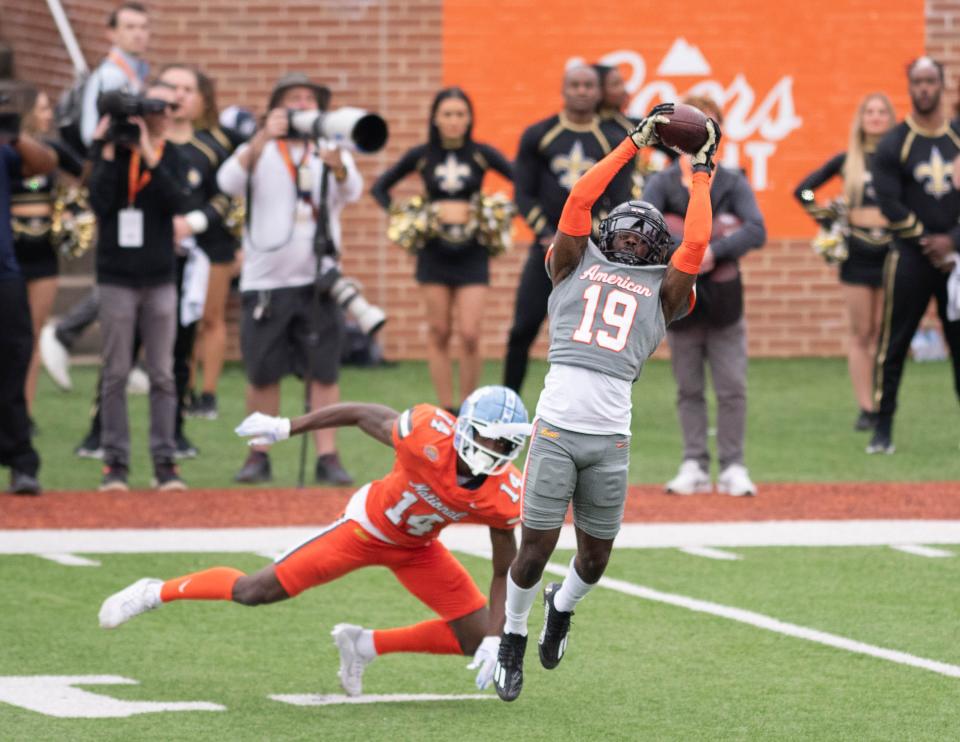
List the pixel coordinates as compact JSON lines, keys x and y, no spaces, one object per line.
{"x":421,"y":496}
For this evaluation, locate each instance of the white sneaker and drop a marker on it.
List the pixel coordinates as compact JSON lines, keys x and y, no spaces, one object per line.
{"x":734,"y":480}
{"x":690,"y":480}
{"x":138,"y":382}
{"x":55,"y":357}
{"x":352,"y":663}
{"x":140,"y":597}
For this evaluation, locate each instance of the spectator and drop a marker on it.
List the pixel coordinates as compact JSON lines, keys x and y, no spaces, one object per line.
{"x":715,"y":333}
{"x":128,"y":29}
{"x":613,"y":101}
{"x":135,"y":191}
{"x":32,"y":206}
{"x":553,"y":154}
{"x":199,"y":228}
{"x":287,"y":325}
{"x":916,"y":193}
{"x":222,"y":251}
{"x":867,"y":242}
{"x":452,"y":267}
{"x":20,"y":157}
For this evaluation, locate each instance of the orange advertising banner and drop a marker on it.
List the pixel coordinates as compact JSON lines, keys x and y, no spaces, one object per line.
{"x":788,"y":77}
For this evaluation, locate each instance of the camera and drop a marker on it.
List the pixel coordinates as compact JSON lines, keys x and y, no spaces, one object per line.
{"x":349,"y":127}
{"x":346,"y":292}
{"x":120,"y":105}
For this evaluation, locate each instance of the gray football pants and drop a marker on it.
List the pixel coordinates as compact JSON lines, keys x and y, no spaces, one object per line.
{"x":590,"y":470}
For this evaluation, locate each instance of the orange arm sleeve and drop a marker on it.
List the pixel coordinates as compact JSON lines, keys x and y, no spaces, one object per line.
{"x":697,"y":226}
{"x":576,"y":220}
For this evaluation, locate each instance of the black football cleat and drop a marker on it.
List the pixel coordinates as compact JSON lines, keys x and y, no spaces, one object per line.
{"x":508,"y":672}
{"x":556,"y":629}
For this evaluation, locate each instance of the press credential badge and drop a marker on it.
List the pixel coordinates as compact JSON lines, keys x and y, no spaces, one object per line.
{"x":130,"y":232}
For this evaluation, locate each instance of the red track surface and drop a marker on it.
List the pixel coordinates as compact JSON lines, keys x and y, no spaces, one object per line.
{"x":645,"y":504}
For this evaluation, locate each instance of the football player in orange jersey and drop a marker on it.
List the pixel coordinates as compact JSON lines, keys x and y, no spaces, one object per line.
{"x":447,"y":470}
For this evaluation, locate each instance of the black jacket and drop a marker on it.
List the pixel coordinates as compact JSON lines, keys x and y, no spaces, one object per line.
{"x":161,"y":198}
{"x":719,"y":292}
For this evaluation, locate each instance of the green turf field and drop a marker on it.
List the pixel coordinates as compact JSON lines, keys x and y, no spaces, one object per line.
{"x":800,"y":418}
{"x":634,"y":669}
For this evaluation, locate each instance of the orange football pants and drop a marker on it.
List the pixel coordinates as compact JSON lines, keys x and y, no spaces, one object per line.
{"x":430,"y":572}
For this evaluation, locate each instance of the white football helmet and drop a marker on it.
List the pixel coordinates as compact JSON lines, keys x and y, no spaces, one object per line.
{"x":492,"y":412}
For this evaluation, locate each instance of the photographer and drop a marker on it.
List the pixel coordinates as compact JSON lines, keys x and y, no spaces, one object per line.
{"x":135,"y":192}
{"x":20,"y":156}
{"x":286,"y":325}
{"x":124,"y":68}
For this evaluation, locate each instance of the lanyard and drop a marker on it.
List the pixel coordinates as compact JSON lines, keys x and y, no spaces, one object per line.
{"x":122,"y":63}
{"x":306,"y":196}
{"x":136,"y":184}
{"x":291,"y":168}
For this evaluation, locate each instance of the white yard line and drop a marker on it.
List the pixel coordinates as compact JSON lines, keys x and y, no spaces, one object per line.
{"x":710,"y":553}
{"x":924,"y":551}
{"x":318,"y":700}
{"x":760,"y":621}
{"x":70,"y":560}
{"x":632,"y":536}
{"x":476,"y":540}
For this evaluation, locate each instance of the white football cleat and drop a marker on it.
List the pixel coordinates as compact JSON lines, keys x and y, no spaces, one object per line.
{"x":140,"y":597}
{"x":55,"y":357}
{"x":690,"y":480}
{"x":734,"y":480}
{"x":352,"y":663}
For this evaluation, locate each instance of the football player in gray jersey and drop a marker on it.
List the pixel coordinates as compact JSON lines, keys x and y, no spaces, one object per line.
{"x":609,"y":310}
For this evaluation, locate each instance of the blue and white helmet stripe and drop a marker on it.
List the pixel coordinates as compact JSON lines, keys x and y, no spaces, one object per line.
{"x":494,"y":412}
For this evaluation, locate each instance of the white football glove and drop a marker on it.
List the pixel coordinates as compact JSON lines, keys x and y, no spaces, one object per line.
{"x":265,"y":429}
{"x":646,"y":132}
{"x":484,"y":660}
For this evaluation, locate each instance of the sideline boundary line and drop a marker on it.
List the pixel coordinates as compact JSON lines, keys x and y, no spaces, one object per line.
{"x":472,"y":538}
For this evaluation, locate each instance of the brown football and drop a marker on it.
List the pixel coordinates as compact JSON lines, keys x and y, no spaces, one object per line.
{"x":687,"y":130}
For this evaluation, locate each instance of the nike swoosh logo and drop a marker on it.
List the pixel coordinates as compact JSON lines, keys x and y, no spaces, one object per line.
{"x":184,"y":584}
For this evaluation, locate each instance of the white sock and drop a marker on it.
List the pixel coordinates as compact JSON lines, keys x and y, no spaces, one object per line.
{"x":365,"y":646}
{"x":519,"y":602}
{"x":572,"y":591}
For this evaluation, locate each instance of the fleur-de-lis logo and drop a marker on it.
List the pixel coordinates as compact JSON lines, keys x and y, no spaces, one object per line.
{"x":451,"y":173}
{"x":568,"y":168}
{"x":868,"y":190}
{"x":935,"y":175}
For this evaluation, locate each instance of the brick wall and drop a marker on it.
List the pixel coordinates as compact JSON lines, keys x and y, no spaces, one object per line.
{"x":387,"y":56}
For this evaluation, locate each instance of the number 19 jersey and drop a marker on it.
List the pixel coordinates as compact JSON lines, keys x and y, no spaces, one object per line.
{"x":606,"y":316}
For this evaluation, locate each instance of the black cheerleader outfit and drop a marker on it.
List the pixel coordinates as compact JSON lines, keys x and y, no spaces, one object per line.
{"x":454,"y":257}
